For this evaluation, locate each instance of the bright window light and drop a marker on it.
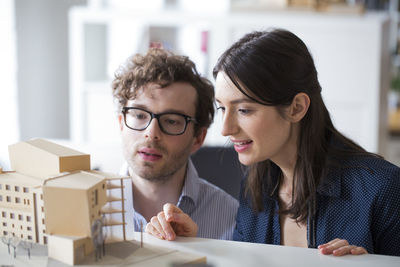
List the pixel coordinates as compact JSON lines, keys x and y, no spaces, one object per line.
{"x":8,"y":92}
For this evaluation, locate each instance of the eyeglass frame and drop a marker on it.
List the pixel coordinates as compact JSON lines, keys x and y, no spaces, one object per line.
{"x":157,"y":116}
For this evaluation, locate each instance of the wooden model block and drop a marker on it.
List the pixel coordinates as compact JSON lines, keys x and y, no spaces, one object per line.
{"x":72,"y":202}
{"x":43,"y":159}
{"x":68,"y":249}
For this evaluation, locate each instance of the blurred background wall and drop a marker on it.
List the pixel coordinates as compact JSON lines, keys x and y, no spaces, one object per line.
{"x":58,"y":59}
{"x":42,"y":60}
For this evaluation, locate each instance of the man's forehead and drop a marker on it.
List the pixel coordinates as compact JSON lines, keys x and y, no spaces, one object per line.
{"x":147,"y":90}
{"x":176,"y":96}
{"x":178,"y":87}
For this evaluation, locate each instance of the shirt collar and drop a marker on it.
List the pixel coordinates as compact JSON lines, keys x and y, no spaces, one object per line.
{"x":124,"y":169}
{"x":190,"y":190}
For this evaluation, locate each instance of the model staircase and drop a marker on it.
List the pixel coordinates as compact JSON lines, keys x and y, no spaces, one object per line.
{"x":115,"y":195}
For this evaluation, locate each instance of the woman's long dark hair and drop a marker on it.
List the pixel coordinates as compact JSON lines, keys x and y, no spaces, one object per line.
{"x":271,"y":67}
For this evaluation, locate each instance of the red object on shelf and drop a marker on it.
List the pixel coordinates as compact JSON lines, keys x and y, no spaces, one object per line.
{"x":154,"y":44}
{"x":204,"y":41}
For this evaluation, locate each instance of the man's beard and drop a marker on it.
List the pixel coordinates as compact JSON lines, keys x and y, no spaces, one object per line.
{"x":174,"y":162}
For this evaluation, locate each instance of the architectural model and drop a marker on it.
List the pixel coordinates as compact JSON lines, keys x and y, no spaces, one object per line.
{"x":53,"y":198}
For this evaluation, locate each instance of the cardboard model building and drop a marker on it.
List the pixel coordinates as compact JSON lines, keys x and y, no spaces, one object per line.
{"x":52,"y":197}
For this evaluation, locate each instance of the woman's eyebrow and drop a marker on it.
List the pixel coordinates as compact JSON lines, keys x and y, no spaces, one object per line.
{"x":239,"y":101}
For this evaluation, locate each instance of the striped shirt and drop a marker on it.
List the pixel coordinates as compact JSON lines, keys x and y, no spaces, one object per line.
{"x":213,"y":210}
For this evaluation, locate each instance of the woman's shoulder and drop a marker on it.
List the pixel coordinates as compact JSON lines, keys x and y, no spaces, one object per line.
{"x":363,"y":179}
{"x":348,"y":155}
{"x":374,"y":165}
{"x":375,"y":172}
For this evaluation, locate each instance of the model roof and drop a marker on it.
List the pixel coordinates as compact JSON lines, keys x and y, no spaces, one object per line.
{"x":20,"y":179}
{"x":77,"y":180}
{"x":55,"y":149}
{"x":44,"y":159}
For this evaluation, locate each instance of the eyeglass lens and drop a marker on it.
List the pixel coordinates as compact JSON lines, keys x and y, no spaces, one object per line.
{"x":170,"y":123}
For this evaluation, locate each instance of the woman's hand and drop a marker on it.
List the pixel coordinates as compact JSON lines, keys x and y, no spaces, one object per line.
{"x":340,"y":247}
{"x":171,"y":222}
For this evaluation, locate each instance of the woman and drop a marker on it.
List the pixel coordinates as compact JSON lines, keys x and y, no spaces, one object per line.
{"x":307,"y":184}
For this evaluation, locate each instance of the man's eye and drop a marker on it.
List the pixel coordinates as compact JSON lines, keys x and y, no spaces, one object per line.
{"x":140,"y":116}
{"x":172,"y":122}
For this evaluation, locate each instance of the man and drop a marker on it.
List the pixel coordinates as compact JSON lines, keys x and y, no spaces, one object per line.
{"x":165,"y":110}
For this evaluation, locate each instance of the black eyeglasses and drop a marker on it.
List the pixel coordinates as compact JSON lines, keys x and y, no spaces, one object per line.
{"x":170,"y":122}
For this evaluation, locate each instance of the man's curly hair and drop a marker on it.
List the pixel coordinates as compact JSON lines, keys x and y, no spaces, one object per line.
{"x":164,"y":68}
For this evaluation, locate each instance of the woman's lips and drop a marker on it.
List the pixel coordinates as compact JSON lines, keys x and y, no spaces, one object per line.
{"x":241,"y":145}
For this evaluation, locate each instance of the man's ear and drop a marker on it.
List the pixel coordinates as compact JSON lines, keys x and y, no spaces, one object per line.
{"x":121,"y":121}
{"x":199,"y":139}
{"x":299,"y":107}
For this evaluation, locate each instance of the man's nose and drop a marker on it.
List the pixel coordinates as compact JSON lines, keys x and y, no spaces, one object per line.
{"x":153,"y":131}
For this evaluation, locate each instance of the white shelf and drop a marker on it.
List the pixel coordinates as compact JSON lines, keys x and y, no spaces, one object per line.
{"x":351,"y":53}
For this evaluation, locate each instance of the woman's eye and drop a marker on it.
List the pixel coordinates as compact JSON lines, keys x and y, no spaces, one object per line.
{"x":244,"y":111}
{"x":222,"y":109}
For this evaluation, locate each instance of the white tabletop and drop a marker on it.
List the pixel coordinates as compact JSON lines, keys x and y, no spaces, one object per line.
{"x":218,"y":253}
{"x":232,"y":253}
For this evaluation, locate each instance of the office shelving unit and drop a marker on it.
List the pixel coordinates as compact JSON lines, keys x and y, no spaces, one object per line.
{"x":351,"y":52}
{"x":394,"y":11}
{"x":393,"y":153}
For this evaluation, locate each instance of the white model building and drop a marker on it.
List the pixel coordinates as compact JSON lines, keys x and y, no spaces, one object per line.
{"x":52,"y":197}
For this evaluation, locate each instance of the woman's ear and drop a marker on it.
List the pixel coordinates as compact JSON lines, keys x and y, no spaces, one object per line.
{"x":299,"y":107}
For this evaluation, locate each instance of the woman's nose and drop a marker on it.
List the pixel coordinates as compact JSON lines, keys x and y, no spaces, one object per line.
{"x":229,"y":124}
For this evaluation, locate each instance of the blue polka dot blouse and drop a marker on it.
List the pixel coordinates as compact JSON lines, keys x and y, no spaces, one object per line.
{"x":360,"y":204}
